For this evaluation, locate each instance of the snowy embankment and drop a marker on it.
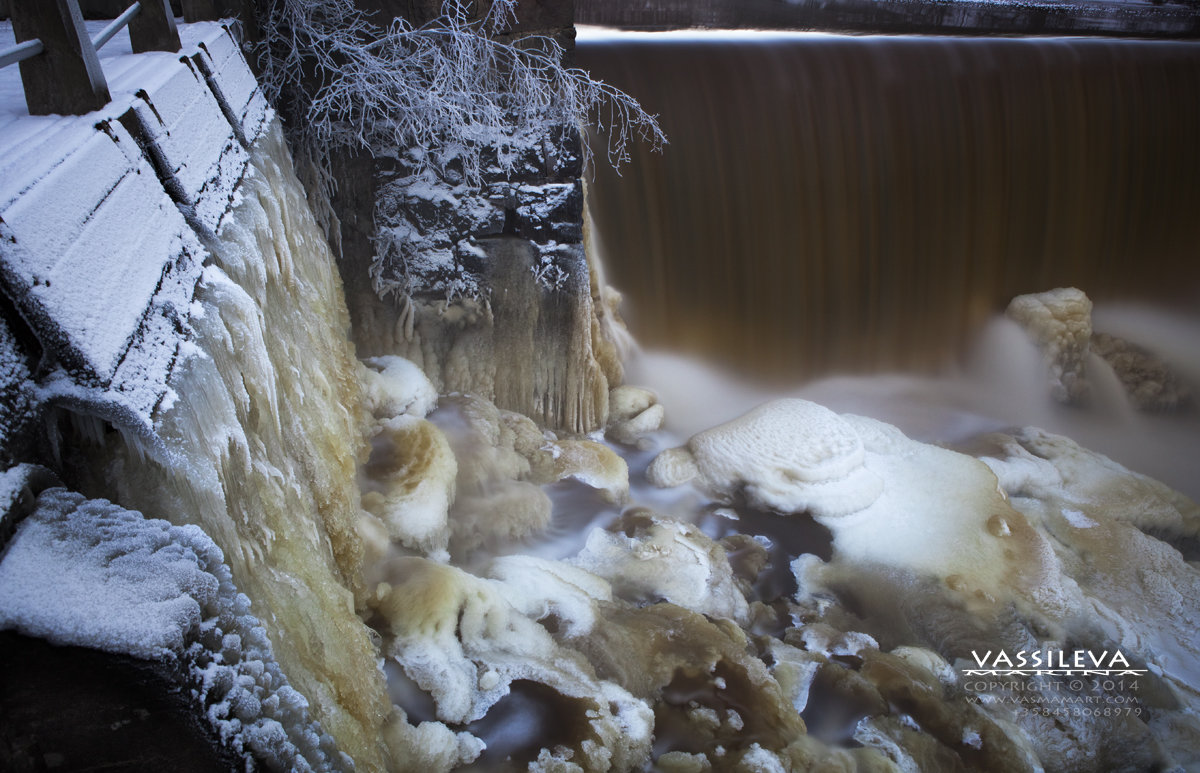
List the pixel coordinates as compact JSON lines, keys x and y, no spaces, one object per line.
{"x":88,"y":573}
{"x":107,"y":223}
{"x":104,"y":216}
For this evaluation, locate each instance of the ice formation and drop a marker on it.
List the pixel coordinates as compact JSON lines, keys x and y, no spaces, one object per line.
{"x":1151,"y":383}
{"x":787,"y":455}
{"x":395,"y":386}
{"x":85,"y":572}
{"x":633,"y":413}
{"x":264,"y":445}
{"x":1060,"y":323}
{"x":487,"y":299}
{"x":503,"y":459}
{"x":408,"y":483}
{"x":646,"y":558}
{"x":458,"y":637}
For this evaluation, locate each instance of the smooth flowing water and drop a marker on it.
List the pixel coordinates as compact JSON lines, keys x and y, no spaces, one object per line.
{"x":833,"y":206}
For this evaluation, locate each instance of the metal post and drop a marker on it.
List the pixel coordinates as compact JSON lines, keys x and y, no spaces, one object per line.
{"x":115,"y":26}
{"x":66,"y":78}
{"x":154,"y":28}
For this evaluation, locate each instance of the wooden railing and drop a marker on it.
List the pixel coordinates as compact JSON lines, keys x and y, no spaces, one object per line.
{"x":60,"y":70}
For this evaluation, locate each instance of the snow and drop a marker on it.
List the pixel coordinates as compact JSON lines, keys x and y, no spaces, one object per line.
{"x":193,"y":143}
{"x":230,"y":77}
{"x":99,"y":214}
{"x":91,"y":574}
{"x":15,"y":395}
{"x":69,"y":256}
{"x":85,"y":572}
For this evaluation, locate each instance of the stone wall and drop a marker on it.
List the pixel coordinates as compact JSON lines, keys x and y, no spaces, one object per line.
{"x":457,"y":277}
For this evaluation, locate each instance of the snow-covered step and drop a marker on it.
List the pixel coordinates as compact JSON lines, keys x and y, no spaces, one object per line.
{"x":103,"y":216}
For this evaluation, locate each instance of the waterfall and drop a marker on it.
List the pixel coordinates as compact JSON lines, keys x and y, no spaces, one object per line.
{"x":262,"y":444}
{"x":764,"y":582}
{"x":835,"y":203}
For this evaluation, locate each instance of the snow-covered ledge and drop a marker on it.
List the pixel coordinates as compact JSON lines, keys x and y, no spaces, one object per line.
{"x":104,"y":217}
{"x":87,"y":573}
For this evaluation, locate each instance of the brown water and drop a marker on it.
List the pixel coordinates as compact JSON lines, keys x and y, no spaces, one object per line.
{"x":836,"y":203}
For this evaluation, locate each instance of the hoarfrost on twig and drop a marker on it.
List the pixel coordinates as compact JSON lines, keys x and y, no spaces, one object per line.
{"x":448,"y":86}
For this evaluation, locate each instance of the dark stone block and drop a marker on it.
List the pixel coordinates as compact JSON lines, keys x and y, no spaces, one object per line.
{"x":552,"y":212}
{"x":542,"y":15}
{"x":76,"y":709}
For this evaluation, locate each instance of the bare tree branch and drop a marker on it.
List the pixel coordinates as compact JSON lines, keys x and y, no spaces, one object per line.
{"x":447,"y":87}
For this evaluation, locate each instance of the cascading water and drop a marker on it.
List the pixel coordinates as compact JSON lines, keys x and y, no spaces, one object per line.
{"x":791,"y":587}
{"x":834,"y":203}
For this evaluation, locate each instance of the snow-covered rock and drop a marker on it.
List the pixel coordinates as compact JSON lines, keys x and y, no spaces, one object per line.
{"x":87,"y":573}
{"x":788,"y":455}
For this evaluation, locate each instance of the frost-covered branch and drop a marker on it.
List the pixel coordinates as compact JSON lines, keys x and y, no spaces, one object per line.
{"x":448,"y":87}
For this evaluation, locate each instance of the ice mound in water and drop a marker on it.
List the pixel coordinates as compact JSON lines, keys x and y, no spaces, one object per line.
{"x":461,"y":639}
{"x":943,"y":512}
{"x":648,"y":558}
{"x":1060,"y":322}
{"x":787,"y":455}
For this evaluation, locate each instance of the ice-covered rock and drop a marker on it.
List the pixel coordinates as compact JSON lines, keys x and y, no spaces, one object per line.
{"x":409,"y":483}
{"x":459,"y":639}
{"x":503,"y":460}
{"x":1151,"y":383}
{"x":647,"y":558}
{"x":541,"y":588}
{"x":1060,"y":322}
{"x":633,"y":412}
{"x":593,"y":464}
{"x":396,"y":386}
{"x":87,"y":573}
{"x":1050,"y":547}
{"x":1121,"y":537}
{"x":787,"y":455}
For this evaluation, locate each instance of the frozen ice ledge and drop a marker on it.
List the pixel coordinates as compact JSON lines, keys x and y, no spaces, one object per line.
{"x":104,"y":222}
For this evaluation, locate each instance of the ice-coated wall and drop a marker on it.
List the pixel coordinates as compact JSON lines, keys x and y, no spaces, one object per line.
{"x":178,"y":327}
{"x":486,"y":284}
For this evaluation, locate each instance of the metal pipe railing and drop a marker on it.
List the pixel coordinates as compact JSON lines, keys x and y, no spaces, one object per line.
{"x":20,"y":52}
{"x":116,"y":25}
{"x":60,"y":70}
